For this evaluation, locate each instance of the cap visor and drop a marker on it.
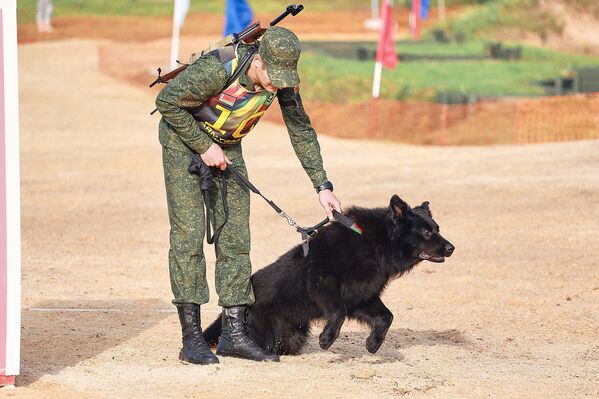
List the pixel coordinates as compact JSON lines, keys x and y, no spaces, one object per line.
{"x":282,"y":77}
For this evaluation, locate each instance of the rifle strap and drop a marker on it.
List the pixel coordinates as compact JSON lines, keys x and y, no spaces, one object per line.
{"x":227,"y":53}
{"x":241,"y":65}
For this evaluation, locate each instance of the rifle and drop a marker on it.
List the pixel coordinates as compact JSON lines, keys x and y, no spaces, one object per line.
{"x":248,"y":35}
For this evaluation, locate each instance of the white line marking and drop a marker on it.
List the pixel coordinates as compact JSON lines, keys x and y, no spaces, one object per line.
{"x":73,"y":310}
{"x":109,"y":310}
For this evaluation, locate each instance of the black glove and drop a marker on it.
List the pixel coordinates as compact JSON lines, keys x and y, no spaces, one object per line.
{"x":198,"y":167}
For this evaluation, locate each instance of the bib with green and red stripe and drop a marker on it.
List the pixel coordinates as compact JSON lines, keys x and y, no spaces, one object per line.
{"x":230,"y":115}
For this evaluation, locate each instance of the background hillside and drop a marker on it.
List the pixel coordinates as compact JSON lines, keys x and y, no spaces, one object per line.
{"x":571,"y":25}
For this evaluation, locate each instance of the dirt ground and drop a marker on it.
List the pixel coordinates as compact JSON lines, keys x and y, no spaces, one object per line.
{"x":514,"y":313}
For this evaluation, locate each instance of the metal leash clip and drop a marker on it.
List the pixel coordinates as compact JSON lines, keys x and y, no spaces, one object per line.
{"x":289,"y":219}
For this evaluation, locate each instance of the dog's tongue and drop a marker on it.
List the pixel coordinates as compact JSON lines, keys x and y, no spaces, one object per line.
{"x":437,"y":259}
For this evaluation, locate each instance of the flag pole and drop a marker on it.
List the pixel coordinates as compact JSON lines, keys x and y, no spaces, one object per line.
{"x":415,"y":14}
{"x":175,"y":38}
{"x":441,"y":10}
{"x":180,"y":10}
{"x":376,"y":90}
{"x":10,"y":239}
{"x":385,"y":56}
{"x":175,"y":46}
{"x":375,"y":9}
{"x":376,"y":83}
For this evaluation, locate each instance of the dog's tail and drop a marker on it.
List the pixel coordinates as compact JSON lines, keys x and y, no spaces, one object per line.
{"x":212,"y":333}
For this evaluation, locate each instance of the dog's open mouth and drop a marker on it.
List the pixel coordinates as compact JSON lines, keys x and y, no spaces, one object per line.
{"x":431,"y":258}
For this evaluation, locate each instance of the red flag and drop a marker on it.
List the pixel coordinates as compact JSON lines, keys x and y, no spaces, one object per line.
{"x":385,"y":50}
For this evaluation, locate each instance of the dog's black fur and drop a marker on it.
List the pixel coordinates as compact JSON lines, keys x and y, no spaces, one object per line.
{"x":342,"y":277}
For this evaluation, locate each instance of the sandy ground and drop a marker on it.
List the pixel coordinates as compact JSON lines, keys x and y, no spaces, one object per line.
{"x":514,"y":313}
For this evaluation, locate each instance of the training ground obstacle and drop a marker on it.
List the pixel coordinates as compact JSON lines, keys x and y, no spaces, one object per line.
{"x":10,"y":215}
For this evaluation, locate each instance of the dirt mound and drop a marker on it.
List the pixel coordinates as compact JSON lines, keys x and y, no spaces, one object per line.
{"x":580,"y":27}
{"x":561,"y":25}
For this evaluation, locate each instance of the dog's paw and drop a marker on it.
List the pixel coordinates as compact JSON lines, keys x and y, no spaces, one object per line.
{"x":373,"y":343}
{"x":326,"y":340}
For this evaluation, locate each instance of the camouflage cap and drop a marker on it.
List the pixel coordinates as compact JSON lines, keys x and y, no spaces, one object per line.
{"x":280,"y":49}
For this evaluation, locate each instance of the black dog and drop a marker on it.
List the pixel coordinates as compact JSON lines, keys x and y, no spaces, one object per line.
{"x":343,"y":276}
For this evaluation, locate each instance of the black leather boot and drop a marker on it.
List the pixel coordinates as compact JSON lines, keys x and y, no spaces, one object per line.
{"x":234,"y":340}
{"x":195,"y":350}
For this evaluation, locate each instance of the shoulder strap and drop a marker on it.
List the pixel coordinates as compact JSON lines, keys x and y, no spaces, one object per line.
{"x":224,"y":54}
{"x":241,"y":66}
{"x":227,"y":53}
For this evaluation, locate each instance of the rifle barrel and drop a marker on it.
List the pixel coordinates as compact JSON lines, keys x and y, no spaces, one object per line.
{"x":249,"y":31}
{"x":252,"y":32}
{"x":292,"y":9}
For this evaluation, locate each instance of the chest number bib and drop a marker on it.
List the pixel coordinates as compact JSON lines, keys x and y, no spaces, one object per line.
{"x":230,"y":115}
{"x":245,"y":121}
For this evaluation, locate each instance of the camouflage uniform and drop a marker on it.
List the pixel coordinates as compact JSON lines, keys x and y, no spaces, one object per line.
{"x":181,"y":136}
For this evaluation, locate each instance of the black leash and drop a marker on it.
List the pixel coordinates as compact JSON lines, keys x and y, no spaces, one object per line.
{"x":204,"y":172}
{"x":206,"y":182}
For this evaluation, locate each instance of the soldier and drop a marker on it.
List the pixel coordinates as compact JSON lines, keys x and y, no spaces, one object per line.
{"x":201,"y":115}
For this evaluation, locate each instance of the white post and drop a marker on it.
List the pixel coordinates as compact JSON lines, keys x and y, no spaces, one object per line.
{"x":376,"y":82}
{"x":374,"y":23}
{"x":10,"y":211}
{"x":441,"y":10}
{"x":175,"y":42}
{"x":375,"y":9}
{"x":179,"y":11}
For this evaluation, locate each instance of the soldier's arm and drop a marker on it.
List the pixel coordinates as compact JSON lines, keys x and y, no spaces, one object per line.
{"x":197,"y":83}
{"x":302,"y":135}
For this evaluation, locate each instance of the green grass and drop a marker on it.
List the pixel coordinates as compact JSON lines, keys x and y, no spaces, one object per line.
{"x":26,"y":8}
{"x":469,"y":48}
{"x":329,"y":79}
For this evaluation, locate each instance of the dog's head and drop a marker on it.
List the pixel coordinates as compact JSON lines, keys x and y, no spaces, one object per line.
{"x":416,"y":231}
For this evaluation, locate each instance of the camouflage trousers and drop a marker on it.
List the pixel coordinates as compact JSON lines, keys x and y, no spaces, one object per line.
{"x":187,"y":265}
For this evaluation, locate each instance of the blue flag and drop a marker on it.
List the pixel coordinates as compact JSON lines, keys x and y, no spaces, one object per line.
{"x":238,"y":16}
{"x":424,"y":7}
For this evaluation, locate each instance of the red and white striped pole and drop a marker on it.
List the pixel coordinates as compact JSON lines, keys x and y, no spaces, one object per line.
{"x":10,"y":214}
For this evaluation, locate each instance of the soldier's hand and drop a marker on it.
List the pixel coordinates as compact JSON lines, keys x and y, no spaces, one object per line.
{"x":215,"y":156}
{"x":329,"y":202}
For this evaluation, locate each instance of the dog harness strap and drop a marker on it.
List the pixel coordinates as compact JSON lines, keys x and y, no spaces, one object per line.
{"x":308,"y":233}
{"x":305,"y":245}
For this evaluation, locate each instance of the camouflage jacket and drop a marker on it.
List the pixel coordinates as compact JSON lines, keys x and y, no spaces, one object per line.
{"x":205,"y":78}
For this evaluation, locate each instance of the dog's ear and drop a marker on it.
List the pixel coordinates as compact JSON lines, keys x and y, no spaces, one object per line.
{"x":425,"y":206}
{"x":399,"y":207}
